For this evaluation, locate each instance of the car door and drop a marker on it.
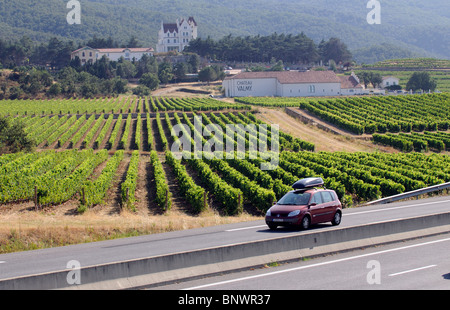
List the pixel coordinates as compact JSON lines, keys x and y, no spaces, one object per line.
{"x":328,"y":206}
{"x":315,"y":208}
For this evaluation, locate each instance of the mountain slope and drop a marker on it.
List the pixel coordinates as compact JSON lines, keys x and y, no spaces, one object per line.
{"x":420,"y":28}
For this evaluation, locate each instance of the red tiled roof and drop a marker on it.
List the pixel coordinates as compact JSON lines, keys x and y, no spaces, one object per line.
{"x":117,"y":50}
{"x":349,"y":81}
{"x":121,"y":50}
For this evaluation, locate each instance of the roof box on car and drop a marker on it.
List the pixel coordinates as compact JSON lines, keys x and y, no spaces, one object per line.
{"x":308,"y":183}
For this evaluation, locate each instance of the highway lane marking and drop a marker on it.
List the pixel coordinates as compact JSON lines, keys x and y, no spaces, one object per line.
{"x":412,"y":270}
{"x":395,"y":208}
{"x":245,"y":228}
{"x":316,"y":265}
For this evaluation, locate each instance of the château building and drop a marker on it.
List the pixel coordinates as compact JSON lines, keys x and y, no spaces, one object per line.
{"x":176,"y":36}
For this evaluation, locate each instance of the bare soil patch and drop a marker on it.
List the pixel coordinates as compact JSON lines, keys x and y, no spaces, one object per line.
{"x":324,"y":140}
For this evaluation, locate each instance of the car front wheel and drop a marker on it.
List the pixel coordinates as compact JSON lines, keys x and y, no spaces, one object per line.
{"x":306,"y":222}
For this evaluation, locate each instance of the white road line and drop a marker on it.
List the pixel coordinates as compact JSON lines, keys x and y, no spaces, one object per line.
{"x":395,"y":208}
{"x":412,"y":270}
{"x":246,"y":228}
{"x":316,"y":265}
{"x":2,"y":262}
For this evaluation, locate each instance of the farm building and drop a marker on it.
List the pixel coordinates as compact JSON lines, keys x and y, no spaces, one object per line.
{"x":87,"y":54}
{"x":291,"y":84}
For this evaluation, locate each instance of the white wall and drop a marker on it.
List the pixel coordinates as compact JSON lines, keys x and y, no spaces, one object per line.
{"x":390,"y":81}
{"x":310,"y":90}
{"x":250,"y":87}
{"x":116,"y":56}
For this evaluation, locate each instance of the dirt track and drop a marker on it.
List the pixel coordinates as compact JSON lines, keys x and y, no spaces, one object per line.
{"x":324,"y":141}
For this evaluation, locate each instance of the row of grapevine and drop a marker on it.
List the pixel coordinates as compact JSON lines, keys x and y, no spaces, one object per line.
{"x":103,"y":132}
{"x":126,"y":132}
{"x":94,"y":191}
{"x":163,"y":195}
{"x":193,"y":193}
{"x":229,"y":198}
{"x":436,"y":141}
{"x":128,"y":187}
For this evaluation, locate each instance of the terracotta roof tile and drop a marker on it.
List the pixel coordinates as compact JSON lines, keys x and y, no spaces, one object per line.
{"x":349,"y":81}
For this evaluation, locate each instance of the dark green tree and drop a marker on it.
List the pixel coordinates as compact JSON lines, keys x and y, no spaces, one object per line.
{"x":149,"y":80}
{"x":13,"y":138}
{"x":421,"y":80}
{"x":207,"y":74}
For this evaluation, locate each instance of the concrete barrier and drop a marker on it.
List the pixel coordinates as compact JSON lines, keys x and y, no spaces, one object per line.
{"x":184,"y":265}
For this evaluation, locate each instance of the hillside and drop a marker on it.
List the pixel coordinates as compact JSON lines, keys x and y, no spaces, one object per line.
{"x":419,"y":29}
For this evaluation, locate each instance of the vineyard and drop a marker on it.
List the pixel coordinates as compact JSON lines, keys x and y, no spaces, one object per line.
{"x":369,"y":115}
{"x":88,"y":158}
{"x":419,"y":142}
{"x":112,"y":105}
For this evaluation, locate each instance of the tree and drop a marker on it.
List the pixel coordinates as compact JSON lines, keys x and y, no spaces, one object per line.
{"x":180,"y":70}
{"x":194,"y":62}
{"x":13,"y":138}
{"x":165,"y":73}
{"x":421,"y":80}
{"x":375,"y":78}
{"x":370,"y":78}
{"x":334,"y":49}
{"x":149,"y":80}
{"x":142,"y":91}
{"x":207,"y":74}
{"x":54,"y":90}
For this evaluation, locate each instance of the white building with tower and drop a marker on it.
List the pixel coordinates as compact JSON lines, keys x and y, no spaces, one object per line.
{"x":176,"y":36}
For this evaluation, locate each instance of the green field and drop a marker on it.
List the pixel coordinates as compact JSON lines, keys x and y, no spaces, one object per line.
{"x":374,"y":114}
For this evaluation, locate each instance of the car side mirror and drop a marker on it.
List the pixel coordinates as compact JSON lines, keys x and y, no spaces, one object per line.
{"x":312,"y":204}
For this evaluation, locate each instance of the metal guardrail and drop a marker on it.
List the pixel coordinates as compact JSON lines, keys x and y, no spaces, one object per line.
{"x":416,"y":193}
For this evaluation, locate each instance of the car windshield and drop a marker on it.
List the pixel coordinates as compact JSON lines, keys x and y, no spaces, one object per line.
{"x":295,"y":198}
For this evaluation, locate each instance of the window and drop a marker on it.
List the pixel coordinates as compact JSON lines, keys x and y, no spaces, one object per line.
{"x":326,"y":197}
{"x":294,"y":198}
{"x":317,"y":198}
{"x":312,"y":88}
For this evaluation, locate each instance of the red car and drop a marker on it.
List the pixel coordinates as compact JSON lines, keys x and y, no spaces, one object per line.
{"x":306,"y":205}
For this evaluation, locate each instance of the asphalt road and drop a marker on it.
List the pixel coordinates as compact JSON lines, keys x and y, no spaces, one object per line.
{"x":56,"y":259}
{"x":421,"y":264}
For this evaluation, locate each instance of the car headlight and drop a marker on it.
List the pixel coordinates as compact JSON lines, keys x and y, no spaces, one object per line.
{"x":294,"y":213}
{"x":268,"y":213}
